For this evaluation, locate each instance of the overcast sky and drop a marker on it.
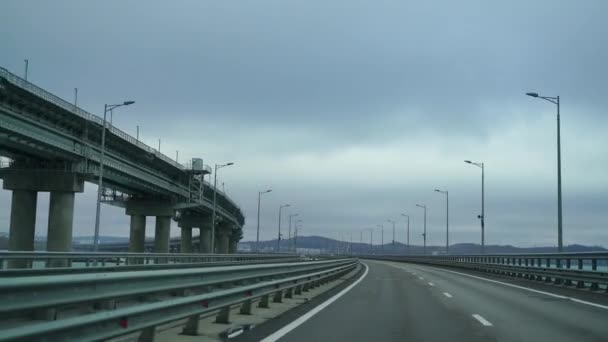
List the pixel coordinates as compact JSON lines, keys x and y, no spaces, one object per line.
{"x":351,"y":111}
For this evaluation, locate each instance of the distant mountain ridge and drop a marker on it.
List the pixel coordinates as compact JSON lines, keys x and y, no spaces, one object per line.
{"x":327,"y":245}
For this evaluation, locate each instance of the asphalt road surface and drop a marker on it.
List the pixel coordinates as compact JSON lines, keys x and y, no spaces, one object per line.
{"x":405,"y":302}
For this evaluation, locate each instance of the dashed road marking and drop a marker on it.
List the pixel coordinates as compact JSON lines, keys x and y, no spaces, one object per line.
{"x":431,"y":284}
{"x":482,"y":320}
{"x":447,"y":295}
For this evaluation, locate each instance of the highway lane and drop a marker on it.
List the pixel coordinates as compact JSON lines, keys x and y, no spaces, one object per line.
{"x":404,"y":302}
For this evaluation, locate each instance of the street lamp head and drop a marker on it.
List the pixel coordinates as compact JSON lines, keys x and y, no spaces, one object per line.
{"x":532,"y":94}
{"x":468,"y":162}
{"x":126,"y":103}
{"x":267,"y":191}
{"x":229,"y":164}
{"x":420,"y":205}
{"x":437,"y":190}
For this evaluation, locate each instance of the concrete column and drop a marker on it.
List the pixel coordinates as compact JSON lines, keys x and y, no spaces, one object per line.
{"x":137,"y":237}
{"x":232,"y":247}
{"x":186,"y":240}
{"x":223,"y":241}
{"x":161,"y":234}
{"x":61,"y":217}
{"x":205,"y":240}
{"x":22,"y":224}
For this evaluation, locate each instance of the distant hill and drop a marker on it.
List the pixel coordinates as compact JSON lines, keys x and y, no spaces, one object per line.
{"x":326,"y":245}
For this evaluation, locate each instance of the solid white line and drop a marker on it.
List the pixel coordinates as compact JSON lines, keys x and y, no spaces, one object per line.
{"x":482,"y":320}
{"x":447,"y":295}
{"x":431,"y":284}
{"x":300,"y":320}
{"x":523,"y":288}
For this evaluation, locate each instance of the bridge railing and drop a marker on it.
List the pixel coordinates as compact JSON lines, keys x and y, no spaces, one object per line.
{"x":56,"y":100}
{"x":101,"y":306}
{"x":583,"y":270}
{"x":79,"y":260}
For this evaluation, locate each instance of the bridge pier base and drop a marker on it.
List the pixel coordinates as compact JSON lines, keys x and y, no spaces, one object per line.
{"x":22,"y":224}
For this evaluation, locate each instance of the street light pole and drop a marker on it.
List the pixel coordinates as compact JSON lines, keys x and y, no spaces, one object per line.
{"x":106,"y":108}
{"x":381,"y":226}
{"x":481,"y":217}
{"x":555,"y":100}
{"x":393,"y":222}
{"x":408,"y":231}
{"x":279,"y":236}
{"x":423,"y":234}
{"x":447,"y":219}
{"x":257,"y":239}
{"x":289,"y":235}
{"x":27,"y":63}
{"x":217,"y":167}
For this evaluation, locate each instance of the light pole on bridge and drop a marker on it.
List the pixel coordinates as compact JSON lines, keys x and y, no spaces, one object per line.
{"x":106,"y":108}
{"x":447,"y":219}
{"x":279,"y":235}
{"x":408,"y":231}
{"x":481,"y":217}
{"x":555,"y":100}
{"x":393,"y":222}
{"x":217,"y":167}
{"x":423,"y":234}
{"x":257,"y":239}
{"x":381,"y":226}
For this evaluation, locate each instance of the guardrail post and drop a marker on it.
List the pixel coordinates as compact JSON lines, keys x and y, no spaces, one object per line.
{"x":278,"y":297}
{"x":191,"y":327}
{"x":263,"y":302}
{"x":223,"y":316}
{"x":246,"y":307}
{"x":298,"y":290}
{"x":147,"y":335}
{"x":595,"y":286}
{"x":568,"y":282}
{"x":289,"y":293}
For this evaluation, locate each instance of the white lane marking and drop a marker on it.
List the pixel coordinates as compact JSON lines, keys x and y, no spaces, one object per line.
{"x":482,"y":320}
{"x":291,"y":326}
{"x":431,"y":284}
{"x":235,"y":333}
{"x":524,"y":288}
{"x":420,"y":278}
{"x":414,"y":273}
{"x":447,"y":295}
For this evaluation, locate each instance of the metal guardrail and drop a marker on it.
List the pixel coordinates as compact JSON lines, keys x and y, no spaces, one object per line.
{"x":37,"y":260}
{"x":93,"y":307}
{"x":583,"y":270}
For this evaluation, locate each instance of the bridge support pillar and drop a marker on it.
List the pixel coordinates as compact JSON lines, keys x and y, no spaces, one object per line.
{"x":205,"y":240}
{"x":161,"y":234}
{"x":26,"y":183}
{"x":186,"y":240}
{"x":233,"y":243}
{"x":61,"y":217}
{"x":22,"y":224}
{"x":223,"y":240}
{"x":137,"y":237}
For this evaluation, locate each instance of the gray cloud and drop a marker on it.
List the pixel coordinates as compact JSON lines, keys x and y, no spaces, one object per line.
{"x":352,"y":110}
